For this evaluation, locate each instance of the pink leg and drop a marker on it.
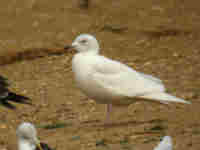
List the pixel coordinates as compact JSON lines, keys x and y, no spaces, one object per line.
{"x":109,"y":109}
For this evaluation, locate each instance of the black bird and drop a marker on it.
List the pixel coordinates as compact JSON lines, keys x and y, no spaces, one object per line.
{"x":7,"y":96}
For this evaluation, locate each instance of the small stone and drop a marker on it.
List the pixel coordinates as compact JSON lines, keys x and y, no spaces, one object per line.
{"x":3,"y":126}
{"x":147,"y":63}
{"x":176,"y":55}
{"x":157,"y":8}
{"x":139,"y":42}
{"x":30,"y":3}
{"x":35,"y":24}
{"x":84,"y":3}
{"x":60,"y":36}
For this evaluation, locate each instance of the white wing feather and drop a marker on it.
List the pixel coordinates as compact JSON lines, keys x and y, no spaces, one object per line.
{"x":150,"y":77}
{"x":124,"y":80}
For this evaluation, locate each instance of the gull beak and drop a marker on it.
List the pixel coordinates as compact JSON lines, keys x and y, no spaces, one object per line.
{"x":72,"y":46}
{"x":68,"y":47}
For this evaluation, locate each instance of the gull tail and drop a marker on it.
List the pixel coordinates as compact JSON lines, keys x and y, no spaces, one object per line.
{"x":164,"y":98}
{"x":165,"y":144}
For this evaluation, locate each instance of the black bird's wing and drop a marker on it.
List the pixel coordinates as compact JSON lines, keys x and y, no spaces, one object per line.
{"x":13,"y":97}
{"x":7,"y":96}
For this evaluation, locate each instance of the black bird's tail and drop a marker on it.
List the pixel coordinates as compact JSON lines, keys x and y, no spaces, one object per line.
{"x":13,"y":97}
{"x":17,"y":98}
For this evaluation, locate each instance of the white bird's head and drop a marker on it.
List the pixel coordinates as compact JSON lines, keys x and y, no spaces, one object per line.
{"x":85,"y":43}
{"x":165,"y":144}
{"x":26,"y":132}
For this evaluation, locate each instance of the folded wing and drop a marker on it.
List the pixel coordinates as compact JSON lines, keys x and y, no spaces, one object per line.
{"x":123,"y":80}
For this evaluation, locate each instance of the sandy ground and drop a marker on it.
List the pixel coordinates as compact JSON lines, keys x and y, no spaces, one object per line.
{"x":156,"y":37}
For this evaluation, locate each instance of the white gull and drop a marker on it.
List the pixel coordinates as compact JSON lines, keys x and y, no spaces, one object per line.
{"x":165,"y":144}
{"x":27,"y":138}
{"x":111,"y":82}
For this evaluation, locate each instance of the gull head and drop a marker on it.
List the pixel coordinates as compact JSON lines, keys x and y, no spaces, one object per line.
{"x":27,"y":132}
{"x":85,"y":43}
{"x":165,"y":144}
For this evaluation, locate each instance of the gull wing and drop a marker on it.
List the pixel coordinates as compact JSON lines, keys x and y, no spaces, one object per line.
{"x":123,"y":80}
{"x":150,"y":77}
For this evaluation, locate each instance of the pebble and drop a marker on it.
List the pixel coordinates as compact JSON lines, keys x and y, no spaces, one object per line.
{"x":3,"y":126}
{"x":35,"y":24}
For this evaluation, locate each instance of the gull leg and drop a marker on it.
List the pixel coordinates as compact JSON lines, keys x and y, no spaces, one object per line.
{"x":109,"y":109}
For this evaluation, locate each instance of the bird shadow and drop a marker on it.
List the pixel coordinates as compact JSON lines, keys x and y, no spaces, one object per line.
{"x":11,"y":57}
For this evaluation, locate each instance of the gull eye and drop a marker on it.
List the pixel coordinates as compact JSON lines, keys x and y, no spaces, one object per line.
{"x":83,"y":41}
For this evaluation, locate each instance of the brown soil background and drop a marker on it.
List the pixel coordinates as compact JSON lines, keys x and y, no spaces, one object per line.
{"x":161,"y":38}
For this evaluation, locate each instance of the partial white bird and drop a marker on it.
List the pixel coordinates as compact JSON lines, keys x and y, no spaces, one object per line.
{"x":111,"y":82}
{"x":27,"y":138}
{"x":165,"y":144}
